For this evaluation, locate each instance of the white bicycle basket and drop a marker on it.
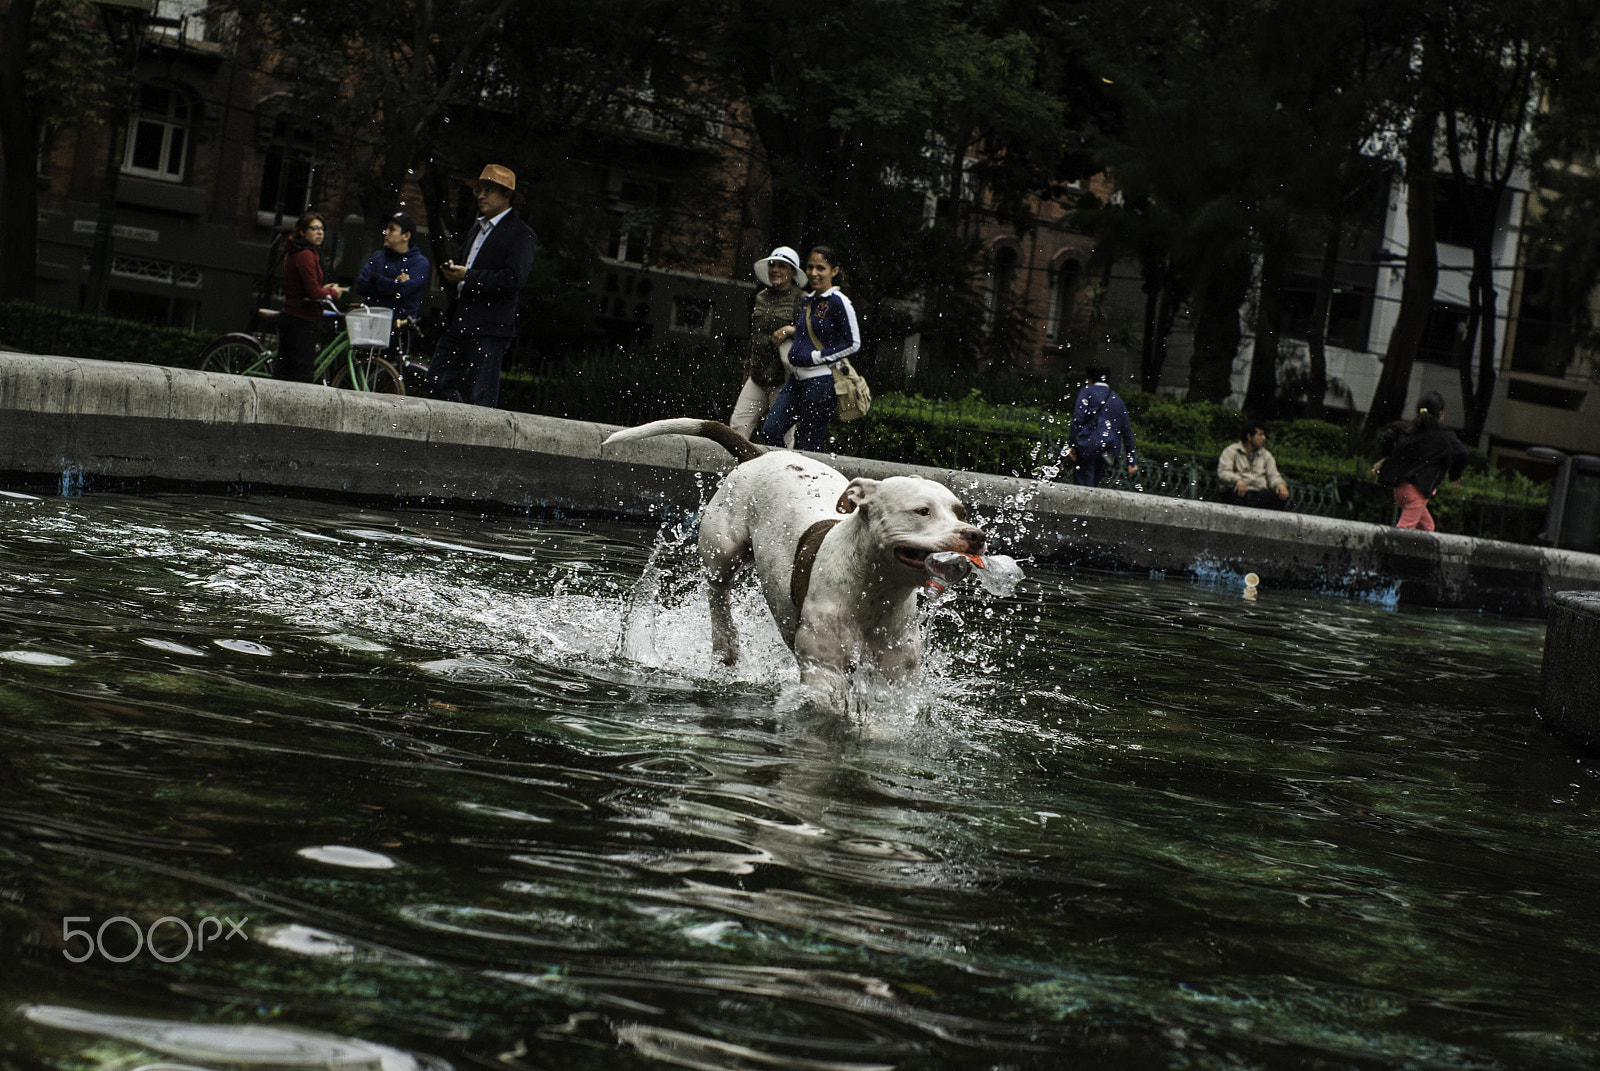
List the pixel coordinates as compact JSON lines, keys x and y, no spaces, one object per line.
{"x":369,"y":327}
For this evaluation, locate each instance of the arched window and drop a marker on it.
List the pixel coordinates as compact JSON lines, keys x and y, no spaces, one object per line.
{"x":289,"y":147}
{"x":1065,"y":278}
{"x":1004,"y":262}
{"x":158,"y":134}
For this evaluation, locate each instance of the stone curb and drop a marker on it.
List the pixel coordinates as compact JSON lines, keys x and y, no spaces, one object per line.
{"x":1569,"y":686}
{"x":100,"y":423}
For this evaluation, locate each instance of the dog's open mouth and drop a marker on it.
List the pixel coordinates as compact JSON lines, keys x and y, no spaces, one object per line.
{"x":916,"y":559}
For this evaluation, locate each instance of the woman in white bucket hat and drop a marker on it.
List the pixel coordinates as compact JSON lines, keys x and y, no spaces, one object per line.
{"x":774,"y":308}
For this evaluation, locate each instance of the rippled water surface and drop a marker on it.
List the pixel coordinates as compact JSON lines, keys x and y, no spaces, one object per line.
{"x":485,"y":800}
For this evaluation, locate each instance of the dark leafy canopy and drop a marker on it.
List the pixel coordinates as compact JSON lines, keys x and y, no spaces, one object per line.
{"x":893,"y":129}
{"x":1238,"y":120}
{"x":428,"y":91}
{"x":55,"y":66}
{"x":1564,"y":237}
{"x":1187,"y":161}
{"x":868,"y":114}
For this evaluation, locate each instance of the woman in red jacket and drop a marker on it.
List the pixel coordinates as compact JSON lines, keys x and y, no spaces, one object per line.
{"x":303,"y":294}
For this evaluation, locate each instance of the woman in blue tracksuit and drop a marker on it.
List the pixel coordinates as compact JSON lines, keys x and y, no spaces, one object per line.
{"x":824,"y":333}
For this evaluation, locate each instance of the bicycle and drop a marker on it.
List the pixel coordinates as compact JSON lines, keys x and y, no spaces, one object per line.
{"x":354,"y":357}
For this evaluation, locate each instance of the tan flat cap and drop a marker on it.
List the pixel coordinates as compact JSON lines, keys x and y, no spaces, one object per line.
{"x":500,"y":176}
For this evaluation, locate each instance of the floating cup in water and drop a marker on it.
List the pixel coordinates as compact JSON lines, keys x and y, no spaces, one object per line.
{"x":1251,"y":583}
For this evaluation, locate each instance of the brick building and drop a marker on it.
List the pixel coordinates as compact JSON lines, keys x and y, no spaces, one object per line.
{"x":217,"y":163}
{"x":214,"y":163}
{"x":1043,"y":274}
{"x":218,"y":159}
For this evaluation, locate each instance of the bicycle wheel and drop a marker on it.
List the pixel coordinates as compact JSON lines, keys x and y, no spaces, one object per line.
{"x":371,"y":374}
{"x":236,"y":353}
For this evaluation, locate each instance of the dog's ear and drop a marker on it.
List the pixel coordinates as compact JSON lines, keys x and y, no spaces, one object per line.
{"x":856,"y":494}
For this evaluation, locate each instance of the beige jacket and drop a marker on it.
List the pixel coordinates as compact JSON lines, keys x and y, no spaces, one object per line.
{"x":1259,"y":473}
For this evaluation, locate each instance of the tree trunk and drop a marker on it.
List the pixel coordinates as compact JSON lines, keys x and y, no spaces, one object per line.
{"x":1261,"y":395}
{"x":1422,"y":278}
{"x":441,"y":215}
{"x":101,"y":251}
{"x":1170,"y":304}
{"x":1475,"y":407}
{"x":1217,"y":333}
{"x":19,"y":144}
{"x":1466,"y":345}
{"x":1317,"y":389}
{"x":1152,"y":353}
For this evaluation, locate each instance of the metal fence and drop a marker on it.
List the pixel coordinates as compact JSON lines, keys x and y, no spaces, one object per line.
{"x":1184,"y":478}
{"x":937,"y":433}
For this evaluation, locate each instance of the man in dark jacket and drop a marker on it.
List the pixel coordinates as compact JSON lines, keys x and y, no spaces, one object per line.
{"x":396,"y":276}
{"x":1099,"y":430}
{"x":482,"y":283}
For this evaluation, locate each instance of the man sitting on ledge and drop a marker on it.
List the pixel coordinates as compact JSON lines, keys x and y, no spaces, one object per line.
{"x":1247,"y":474}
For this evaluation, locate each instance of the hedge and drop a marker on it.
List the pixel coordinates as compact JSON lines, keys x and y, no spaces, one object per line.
{"x":680,"y":377}
{"x":970,"y":433}
{"x":35,"y":328}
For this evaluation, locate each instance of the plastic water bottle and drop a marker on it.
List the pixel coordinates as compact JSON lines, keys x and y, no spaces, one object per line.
{"x":946,"y":568}
{"x":998,"y":573}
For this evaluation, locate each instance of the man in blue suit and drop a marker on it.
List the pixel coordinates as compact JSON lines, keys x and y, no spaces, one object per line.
{"x":482,"y":283}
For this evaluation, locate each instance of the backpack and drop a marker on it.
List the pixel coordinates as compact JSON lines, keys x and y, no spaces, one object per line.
{"x":1090,"y":436}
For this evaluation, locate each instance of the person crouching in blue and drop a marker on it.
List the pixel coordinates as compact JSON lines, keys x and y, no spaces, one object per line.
{"x":396,"y":276}
{"x":824,"y":333}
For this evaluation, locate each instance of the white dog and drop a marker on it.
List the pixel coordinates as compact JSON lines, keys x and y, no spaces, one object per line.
{"x":843,"y":590}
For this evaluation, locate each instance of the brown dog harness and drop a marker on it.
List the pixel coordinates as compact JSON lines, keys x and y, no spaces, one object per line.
{"x":805,"y":556}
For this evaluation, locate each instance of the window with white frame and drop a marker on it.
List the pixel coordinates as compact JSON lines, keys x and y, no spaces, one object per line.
{"x":158,"y":134}
{"x":183,"y":19}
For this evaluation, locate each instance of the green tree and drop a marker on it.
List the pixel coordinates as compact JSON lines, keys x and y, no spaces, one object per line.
{"x":1184,"y":158}
{"x":1563,"y":238}
{"x":1482,"y":71}
{"x":1331,"y":73}
{"x":867,"y":114}
{"x":54,"y":67}
{"x":1496,"y":51}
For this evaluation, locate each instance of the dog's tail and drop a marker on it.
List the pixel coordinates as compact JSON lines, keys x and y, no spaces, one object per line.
{"x":741,"y":448}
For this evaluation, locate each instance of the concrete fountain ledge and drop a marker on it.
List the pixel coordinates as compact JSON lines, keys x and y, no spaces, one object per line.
{"x":1569,"y":691}
{"x":104,"y":424}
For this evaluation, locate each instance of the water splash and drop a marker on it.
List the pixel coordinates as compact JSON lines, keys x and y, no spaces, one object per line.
{"x":1364,"y":587}
{"x":73,"y":481}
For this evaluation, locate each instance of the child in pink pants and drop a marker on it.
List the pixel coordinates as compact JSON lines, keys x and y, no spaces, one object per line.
{"x":1413,"y":508}
{"x":1417,"y":455}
